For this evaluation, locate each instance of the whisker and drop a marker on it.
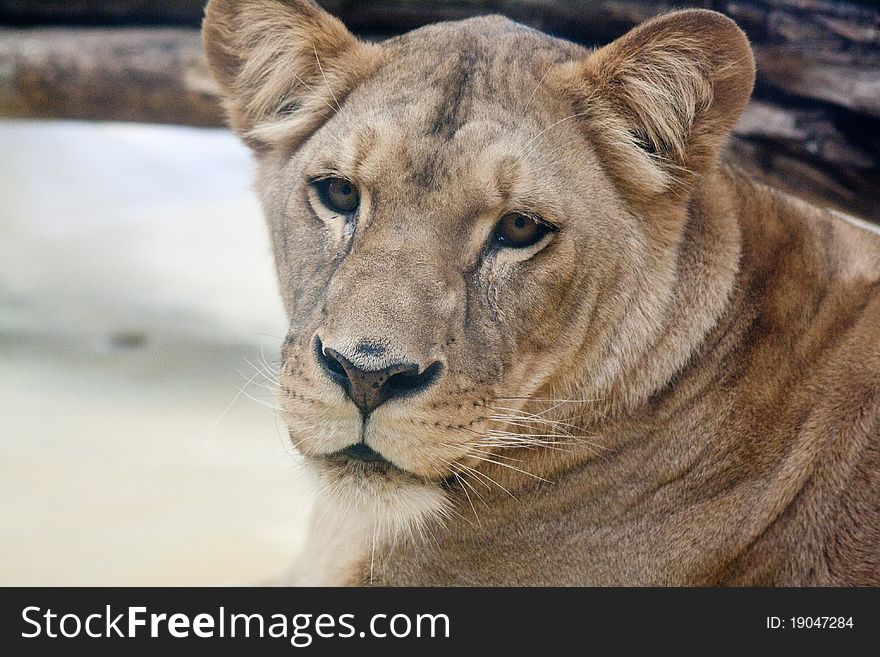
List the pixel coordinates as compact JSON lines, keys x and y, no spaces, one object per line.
{"x":499,"y":438}
{"x":327,"y":84}
{"x":317,"y":95}
{"x":549,"y":438}
{"x":228,"y":407}
{"x":537,"y":86}
{"x":464,"y":488}
{"x":272,"y":407}
{"x":511,"y":467}
{"x":525,"y":413}
{"x":373,"y":550}
{"x":483,"y":475}
{"x":528,"y":424}
{"x":567,"y":118}
{"x":463,"y":479}
{"x":565,"y":447}
{"x":551,"y":400}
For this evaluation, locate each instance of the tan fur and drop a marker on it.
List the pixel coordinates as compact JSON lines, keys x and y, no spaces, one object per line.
{"x":681,"y":385}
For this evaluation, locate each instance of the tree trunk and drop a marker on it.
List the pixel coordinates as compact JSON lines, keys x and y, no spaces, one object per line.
{"x":181,"y":13}
{"x":157,"y":76}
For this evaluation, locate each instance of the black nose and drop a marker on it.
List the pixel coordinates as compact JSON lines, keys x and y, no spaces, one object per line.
{"x":369,"y":388}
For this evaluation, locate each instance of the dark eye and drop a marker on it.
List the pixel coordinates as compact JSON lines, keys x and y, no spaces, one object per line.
{"x":338,"y":194}
{"x":517,"y":231}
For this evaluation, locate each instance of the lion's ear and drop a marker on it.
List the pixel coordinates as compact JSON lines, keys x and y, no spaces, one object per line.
{"x":283,"y":65}
{"x":660,"y":100}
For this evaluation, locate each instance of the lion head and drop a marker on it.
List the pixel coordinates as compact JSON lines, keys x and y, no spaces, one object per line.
{"x":468,"y":220}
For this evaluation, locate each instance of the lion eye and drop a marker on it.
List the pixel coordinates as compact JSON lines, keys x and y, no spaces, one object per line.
{"x":338,"y":194}
{"x":517,"y":231}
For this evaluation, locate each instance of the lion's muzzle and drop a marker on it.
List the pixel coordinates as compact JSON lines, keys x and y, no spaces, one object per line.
{"x":370,"y":380}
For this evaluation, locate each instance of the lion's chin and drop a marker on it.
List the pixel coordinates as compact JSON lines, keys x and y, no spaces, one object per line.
{"x":359,"y":508}
{"x":376,"y":496}
{"x":354,"y":470}
{"x":362,"y":459}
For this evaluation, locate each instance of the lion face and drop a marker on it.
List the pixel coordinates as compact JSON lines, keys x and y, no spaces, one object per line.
{"x":464,"y":219}
{"x":436,"y":252}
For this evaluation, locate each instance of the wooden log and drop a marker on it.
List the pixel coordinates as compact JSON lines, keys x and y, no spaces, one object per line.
{"x":850,"y":190}
{"x":815,"y":49}
{"x":181,"y":13}
{"x":804,"y":152}
{"x":806,"y":131}
{"x":146,"y":75}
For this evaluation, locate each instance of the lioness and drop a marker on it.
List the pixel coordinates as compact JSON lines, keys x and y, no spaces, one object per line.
{"x":539,"y":334}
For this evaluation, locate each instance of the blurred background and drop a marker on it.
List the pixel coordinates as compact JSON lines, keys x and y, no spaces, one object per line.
{"x":137,"y":312}
{"x":139,"y":322}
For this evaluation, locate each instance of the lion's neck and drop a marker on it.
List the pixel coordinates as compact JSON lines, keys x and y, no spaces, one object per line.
{"x":704,"y":278}
{"x":721,"y":441}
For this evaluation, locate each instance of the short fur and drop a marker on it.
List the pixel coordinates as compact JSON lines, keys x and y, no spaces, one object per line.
{"x":680,"y":385}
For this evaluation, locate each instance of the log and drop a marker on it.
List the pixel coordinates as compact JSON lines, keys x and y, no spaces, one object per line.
{"x":804,"y":152}
{"x":180,"y":13}
{"x":815,"y":49}
{"x":145,"y":75}
{"x":819,"y":49}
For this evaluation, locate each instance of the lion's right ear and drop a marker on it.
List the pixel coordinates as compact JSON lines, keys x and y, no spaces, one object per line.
{"x":283,"y":66}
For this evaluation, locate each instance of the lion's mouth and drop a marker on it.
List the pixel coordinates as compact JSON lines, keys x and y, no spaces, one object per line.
{"x":362,"y":457}
{"x":363,"y":452}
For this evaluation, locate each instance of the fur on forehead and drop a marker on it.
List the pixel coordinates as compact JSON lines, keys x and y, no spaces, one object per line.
{"x":484,"y":163}
{"x":286,"y":67}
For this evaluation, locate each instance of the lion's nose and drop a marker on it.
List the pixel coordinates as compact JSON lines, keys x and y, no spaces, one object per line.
{"x":369,"y":388}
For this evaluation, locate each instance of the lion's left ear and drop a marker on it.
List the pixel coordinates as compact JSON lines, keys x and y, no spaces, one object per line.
{"x":659,"y":101}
